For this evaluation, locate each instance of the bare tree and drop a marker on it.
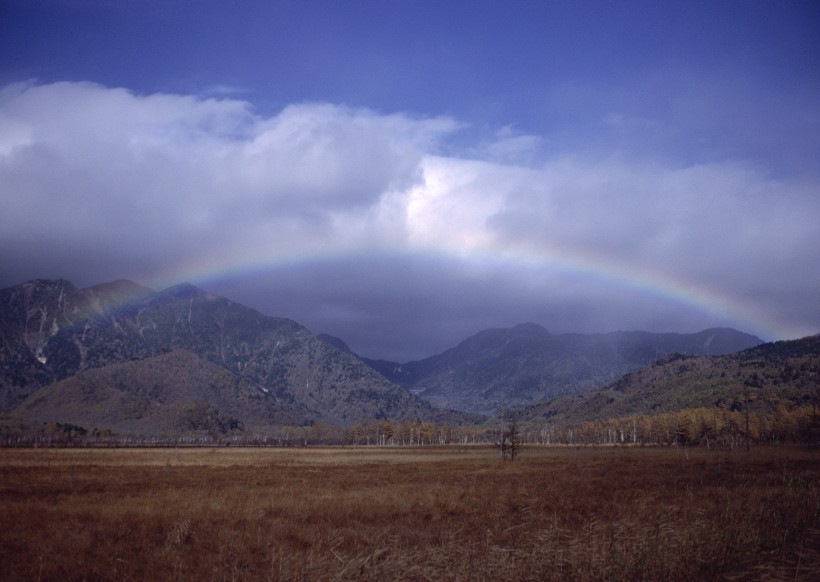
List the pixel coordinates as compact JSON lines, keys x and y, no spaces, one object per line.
{"x":509,"y":435}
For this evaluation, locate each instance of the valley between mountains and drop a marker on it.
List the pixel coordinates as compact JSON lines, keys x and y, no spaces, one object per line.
{"x":121,"y":359}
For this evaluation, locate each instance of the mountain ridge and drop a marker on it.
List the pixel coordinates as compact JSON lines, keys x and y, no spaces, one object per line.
{"x":52,"y":330}
{"x":783,"y":373}
{"x":501,"y":367}
{"x":56,"y":338}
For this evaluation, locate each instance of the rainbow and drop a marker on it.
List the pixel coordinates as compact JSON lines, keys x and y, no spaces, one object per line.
{"x":723,"y":307}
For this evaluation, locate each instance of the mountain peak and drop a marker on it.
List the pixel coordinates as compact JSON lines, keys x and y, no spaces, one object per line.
{"x":334,"y":341}
{"x":56,"y":296}
{"x":113,"y":293}
{"x":37,"y":284}
{"x":120,"y":287}
{"x":529,"y":329}
{"x":183,"y":291}
{"x":718,"y":340}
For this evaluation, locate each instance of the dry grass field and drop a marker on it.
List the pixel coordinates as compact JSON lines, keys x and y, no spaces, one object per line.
{"x":450,"y":513}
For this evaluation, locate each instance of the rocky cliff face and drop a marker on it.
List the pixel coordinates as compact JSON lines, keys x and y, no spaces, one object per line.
{"x":31,"y":315}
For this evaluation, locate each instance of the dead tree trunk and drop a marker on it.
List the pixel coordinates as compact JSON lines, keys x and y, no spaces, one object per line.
{"x":509,"y":439}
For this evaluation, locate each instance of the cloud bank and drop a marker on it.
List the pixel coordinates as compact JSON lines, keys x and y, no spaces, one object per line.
{"x":400,"y":233}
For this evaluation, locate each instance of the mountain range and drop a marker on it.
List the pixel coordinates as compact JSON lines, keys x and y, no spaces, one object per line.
{"x":124,"y":356}
{"x":497,"y":368}
{"x":135,"y":361}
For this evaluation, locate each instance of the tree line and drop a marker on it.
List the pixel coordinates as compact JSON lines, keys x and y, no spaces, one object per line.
{"x":698,"y":427}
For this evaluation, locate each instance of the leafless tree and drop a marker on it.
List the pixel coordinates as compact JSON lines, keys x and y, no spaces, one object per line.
{"x":509,"y":435}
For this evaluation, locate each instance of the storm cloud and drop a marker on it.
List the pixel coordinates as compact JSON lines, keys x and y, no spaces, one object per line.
{"x":401,"y":233}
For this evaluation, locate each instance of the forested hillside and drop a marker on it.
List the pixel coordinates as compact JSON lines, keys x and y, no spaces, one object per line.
{"x":774,"y":389}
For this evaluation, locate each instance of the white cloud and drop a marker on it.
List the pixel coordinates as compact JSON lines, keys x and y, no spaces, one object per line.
{"x":323,"y":157}
{"x":182,"y":169}
{"x":120,"y":181}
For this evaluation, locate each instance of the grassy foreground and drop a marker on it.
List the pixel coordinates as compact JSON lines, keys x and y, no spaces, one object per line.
{"x":443,"y":513}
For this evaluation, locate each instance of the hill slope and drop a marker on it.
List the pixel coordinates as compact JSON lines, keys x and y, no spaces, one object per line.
{"x":174,"y":393}
{"x":497,"y":368}
{"x":780,"y":374}
{"x":51,"y":331}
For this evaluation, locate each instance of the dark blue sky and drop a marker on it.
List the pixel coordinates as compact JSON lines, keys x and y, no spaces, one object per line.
{"x":587,"y":165}
{"x":492,"y":61}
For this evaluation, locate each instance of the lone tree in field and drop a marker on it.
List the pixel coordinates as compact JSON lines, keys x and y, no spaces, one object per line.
{"x":509,"y":435}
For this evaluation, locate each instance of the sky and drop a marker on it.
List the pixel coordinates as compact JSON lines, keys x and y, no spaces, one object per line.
{"x":404,"y":174}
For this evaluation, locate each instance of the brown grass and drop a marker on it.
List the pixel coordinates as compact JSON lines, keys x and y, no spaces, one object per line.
{"x":451,"y":513}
